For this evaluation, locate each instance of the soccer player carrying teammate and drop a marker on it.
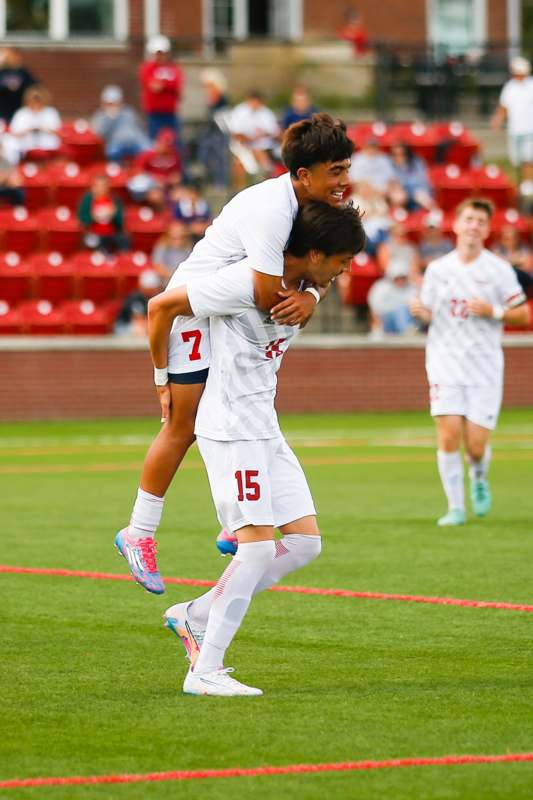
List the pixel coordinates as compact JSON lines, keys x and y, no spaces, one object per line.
{"x":256,"y":481}
{"x":467,"y":296}
{"x":255,"y":223}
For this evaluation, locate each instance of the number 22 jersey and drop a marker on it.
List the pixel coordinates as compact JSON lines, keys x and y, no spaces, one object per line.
{"x":463,"y":349}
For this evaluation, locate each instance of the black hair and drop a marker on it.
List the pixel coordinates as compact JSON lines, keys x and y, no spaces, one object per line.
{"x":319,"y":226}
{"x":318,"y":139}
{"x":478,"y":203}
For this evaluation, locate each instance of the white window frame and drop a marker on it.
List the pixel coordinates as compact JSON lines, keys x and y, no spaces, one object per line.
{"x":514,"y":27}
{"x":58,"y":24}
{"x":240,"y":19}
{"x":479,"y":18}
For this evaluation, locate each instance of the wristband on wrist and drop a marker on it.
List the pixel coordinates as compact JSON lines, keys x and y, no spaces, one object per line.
{"x":161,"y":376}
{"x":497,"y":313}
{"x":314,"y":292}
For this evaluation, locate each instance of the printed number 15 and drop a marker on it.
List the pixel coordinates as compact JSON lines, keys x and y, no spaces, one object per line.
{"x":248,"y":488}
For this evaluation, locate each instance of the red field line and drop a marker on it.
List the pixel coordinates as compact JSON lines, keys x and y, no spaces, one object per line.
{"x":406,"y":598}
{"x":290,"y":769}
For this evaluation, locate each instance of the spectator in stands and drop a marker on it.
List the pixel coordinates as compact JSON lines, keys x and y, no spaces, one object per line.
{"x":119,"y":126}
{"x":132,"y":317}
{"x":516,"y":105}
{"x":163,"y":161}
{"x":397,"y":251}
{"x":410,"y":187}
{"x":14,"y":80}
{"x":372,"y":167}
{"x":101,"y":216}
{"x":36,"y":125}
{"x":375,"y":215}
{"x":11,"y":190}
{"x":254,"y":133}
{"x":388,"y":301}
{"x":354,"y":32}
{"x":191,"y":209}
{"x":213,"y":150}
{"x":170,"y":250}
{"x":511,"y":248}
{"x":161,"y":87}
{"x":300,"y":107}
{"x":433,"y":244}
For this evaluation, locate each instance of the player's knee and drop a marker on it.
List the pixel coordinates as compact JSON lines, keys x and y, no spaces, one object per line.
{"x":305,"y":548}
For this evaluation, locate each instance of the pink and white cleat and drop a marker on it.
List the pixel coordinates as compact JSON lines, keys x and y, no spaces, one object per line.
{"x":141,"y":557}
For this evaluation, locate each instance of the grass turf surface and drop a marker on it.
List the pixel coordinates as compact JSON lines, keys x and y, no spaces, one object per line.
{"x":92,"y":682}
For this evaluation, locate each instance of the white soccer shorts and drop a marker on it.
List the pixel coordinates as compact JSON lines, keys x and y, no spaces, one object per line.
{"x":256,"y":482}
{"x":478,"y":404}
{"x":189,"y":346}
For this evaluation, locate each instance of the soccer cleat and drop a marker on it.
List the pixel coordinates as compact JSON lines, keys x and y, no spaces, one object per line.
{"x":140,"y":555}
{"x":190,"y":635}
{"x":217,"y":683}
{"x":481,"y":497}
{"x":227,"y":542}
{"x":455,"y":516}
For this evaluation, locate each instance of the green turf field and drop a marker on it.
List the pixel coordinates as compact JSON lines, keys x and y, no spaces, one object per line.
{"x":91,"y":682}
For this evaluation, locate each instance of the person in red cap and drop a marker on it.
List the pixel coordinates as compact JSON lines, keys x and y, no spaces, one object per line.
{"x":161,"y":87}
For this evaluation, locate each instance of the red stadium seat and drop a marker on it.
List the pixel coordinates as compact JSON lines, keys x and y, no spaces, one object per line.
{"x":20,"y":230}
{"x":97,"y":277}
{"x":70,"y":183}
{"x":41,"y":317}
{"x":15,"y":279}
{"x":80,"y":143}
{"x":362,"y":131}
{"x":83,"y":317}
{"x":61,"y":229}
{"x":510,"y":216}
{"x":462,"y":146}
{"x":145,"y":227}
{"x":363,"y":273}
{"x":53,"y":276}
{"x":421,"y":139}
{"x":489,"y":181}
{"x":36,"y":185}
{"x":10,"y":322}
{"x":451,"y":185}
{"x":130,"y":266}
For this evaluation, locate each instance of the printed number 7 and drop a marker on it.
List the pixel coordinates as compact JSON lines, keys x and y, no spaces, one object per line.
{"x":253,"y":489}
{"x":196,"y":337}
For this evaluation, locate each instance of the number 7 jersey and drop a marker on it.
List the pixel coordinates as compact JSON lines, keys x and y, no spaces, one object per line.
{"x":463,"y":349}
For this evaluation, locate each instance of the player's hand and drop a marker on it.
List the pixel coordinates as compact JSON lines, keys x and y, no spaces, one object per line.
{"x":296,"y":308}
{"x":479,"y":307}
{"x":164,"y":398}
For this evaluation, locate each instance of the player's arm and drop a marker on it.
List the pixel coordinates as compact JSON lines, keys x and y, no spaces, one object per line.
{"x":419,"y":310}
{"x":499,"y":117}
{"x":510,"y":315}
{"x":161,"y":312}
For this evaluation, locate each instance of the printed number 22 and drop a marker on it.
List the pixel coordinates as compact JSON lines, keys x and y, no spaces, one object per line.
{"x":253,"y":489}
{"x":196,"y":338}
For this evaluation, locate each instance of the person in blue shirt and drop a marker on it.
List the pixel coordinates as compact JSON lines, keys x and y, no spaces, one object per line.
{"x":300,"y":107}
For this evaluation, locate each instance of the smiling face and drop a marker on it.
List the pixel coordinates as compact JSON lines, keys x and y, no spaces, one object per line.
{"x":472,"y":227}
{"x":322,"y":269}
{"x":326,"y":182}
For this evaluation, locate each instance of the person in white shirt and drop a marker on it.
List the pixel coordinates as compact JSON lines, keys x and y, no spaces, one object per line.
{"x":254,"y":134}
{"x":255,"y":223}
{"x":467,"y":296}
{"x":388,"y":301}
{"x":36,"y":125}
{"x":516,"y":105}
{"x":372,"y":167}
{"x":256,"y":481}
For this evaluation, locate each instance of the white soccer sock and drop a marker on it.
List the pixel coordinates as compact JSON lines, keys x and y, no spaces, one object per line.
{"x":293,"y":552}
{"x":478,"y":470}
{"x":146,"y":515}
{"x":451,"y":471}
{"x":231,"y":598}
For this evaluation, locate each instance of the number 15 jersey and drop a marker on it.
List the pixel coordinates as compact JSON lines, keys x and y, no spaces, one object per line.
{"x":463,"y":349}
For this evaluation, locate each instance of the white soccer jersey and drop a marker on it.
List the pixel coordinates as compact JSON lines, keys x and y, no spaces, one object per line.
{"x":256,"y":224}
{"x":246,"y":352}
{"x":463,"y":349}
